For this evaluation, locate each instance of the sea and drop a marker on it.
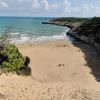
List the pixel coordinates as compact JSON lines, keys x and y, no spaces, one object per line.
{"x":30,"y":29}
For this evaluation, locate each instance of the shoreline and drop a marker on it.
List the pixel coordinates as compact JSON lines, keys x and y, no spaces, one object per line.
{"x":43,"y":42}
{"x":27,"y":39}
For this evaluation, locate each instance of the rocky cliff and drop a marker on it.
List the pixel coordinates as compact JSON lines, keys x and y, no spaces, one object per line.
{"x":88,"y":32}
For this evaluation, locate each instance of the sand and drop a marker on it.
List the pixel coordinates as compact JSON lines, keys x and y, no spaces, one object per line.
{"x":60,"y":71}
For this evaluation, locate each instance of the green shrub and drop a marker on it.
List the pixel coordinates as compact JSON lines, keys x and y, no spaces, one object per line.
{"x":12,"y":60}
{"x":27,"y":61}
{"x":24,"y":71}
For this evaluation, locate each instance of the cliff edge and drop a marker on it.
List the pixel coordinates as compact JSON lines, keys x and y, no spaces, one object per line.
{"x":88,"y":32}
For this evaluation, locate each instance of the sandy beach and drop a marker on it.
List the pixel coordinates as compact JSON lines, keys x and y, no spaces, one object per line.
{"x":60,"y":71}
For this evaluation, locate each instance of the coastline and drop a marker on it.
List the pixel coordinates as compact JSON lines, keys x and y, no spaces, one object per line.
{"x":59,"y":71}
{"x":44,"y":42}
{"x":62,"y":69}
{"x":49,"y":50}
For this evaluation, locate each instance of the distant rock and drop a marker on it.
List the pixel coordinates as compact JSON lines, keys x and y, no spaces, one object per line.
{"x":69,"y":22}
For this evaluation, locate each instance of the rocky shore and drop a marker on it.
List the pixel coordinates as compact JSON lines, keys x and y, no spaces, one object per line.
{"x":69,"y":22}
{"x":84,"y":29}
{"x":59,"y":24}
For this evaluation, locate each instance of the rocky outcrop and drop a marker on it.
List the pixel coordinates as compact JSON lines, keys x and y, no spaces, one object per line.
{"x":88,"y":32}
{"x":69,"y":22}
{"x":59,"y":24}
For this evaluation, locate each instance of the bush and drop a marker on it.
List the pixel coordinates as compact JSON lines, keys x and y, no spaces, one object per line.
{"x":12,"y":60}
{"x":27,"y":61}
{"x":24,"y":71}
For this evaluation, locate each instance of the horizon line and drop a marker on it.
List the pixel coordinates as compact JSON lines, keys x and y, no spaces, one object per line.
{"x":49,"y":16}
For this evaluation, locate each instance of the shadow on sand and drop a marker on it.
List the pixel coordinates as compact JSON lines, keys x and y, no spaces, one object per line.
{"x":91,"y":56}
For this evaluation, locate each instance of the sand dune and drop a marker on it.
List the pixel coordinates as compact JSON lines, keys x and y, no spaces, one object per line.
{"x":59,"y":72}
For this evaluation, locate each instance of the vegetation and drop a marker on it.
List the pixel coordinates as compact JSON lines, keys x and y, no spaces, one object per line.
{"x":69,"y":20}
{"x":11,"y":59}
{"x":91,"y":26}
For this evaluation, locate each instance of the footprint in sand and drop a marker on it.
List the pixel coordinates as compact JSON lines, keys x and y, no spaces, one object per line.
{"x":2,"y":96}
{"x":61,"y":65}
{"x":62,"y":45}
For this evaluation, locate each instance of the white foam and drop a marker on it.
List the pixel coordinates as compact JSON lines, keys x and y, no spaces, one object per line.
{"x":43,"y":38}
{"x":20,"y":40}
{"x":14,"y":33}
{"x":24,"y":38}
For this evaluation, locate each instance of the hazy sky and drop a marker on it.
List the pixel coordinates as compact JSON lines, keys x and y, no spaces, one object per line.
{"x":84,"y":8}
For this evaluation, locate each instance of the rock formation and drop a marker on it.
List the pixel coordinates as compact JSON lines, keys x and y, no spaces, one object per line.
{"x":69,"y":22}
{"x":88,"y":32}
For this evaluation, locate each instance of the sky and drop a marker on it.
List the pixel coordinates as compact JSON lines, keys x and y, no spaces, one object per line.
{"x":50,"y":8}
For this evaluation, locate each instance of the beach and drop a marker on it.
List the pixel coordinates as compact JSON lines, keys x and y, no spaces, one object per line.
{"x":60,"y":71}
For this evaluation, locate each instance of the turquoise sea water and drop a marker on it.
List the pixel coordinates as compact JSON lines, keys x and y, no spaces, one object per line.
{"x":30,"y":29}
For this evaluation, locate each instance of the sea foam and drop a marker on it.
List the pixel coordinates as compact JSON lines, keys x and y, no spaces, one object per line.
{"x":25,"y":38}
